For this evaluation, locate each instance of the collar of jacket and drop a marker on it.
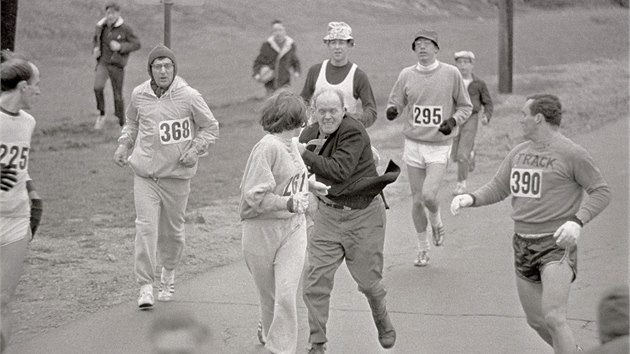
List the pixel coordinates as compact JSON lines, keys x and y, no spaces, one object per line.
{"x":103,"y":22}
{"x":177,"y":83}
{"x":288,"y":42}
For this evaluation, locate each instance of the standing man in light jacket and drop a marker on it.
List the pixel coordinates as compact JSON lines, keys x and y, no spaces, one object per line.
{"x":277,"y":61}
{"x":433,"y":101}
{"x":113,"y":41}
{"x":169,"y":125}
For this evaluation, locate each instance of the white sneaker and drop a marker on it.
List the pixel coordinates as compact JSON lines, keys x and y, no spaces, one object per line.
{"x":422,"y":260}
{"x":145,"y":301}
{"x":167,"y":285}
{"x":100,"y":122}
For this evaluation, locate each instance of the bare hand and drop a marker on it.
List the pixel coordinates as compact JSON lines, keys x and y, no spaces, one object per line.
{"x":121,"y":155}
{"x":96,"y":53}
{"x":484,"y":119}
{"x":189,"y":158}
{"x":114,"y":46}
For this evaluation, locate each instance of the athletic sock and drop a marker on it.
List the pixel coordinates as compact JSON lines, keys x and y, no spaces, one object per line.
{"x":435,"y":218}
{"x":423,"y":241}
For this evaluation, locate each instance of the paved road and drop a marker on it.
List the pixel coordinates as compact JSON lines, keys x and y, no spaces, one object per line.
{"x":464,"y":302}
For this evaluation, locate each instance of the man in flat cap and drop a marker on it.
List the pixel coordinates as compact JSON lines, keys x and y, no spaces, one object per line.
{"x":463,"y":144}
{"x":337,"y":72}
{"x":433,"y":101}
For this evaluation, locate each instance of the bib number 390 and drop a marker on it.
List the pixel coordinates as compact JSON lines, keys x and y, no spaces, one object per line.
{"x":175,"y":131}
{"x":526,"y":183}
{"x":428,"y":116}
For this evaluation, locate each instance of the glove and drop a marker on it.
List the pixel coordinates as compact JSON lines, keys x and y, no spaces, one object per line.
{"x":8,"y":177}
{"x":461,"y":201}
{"x":567,"y":234}
{"x":391,"y":113}
{"x":37,"y":208}
{"x":121,"y":155}
{"x":447,"y":126}
{"x":189,"y":158}
{"x":298,"y":203}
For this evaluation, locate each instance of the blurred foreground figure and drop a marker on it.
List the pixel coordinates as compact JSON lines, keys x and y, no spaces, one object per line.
{"x":178,"y":332}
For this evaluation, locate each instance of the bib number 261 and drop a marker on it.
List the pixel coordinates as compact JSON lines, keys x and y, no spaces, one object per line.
{"x":428,"y":116}
{"x":525,"y":183}
{"x":175,"y":131}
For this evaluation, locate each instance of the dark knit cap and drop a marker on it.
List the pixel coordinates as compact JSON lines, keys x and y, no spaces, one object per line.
{"x":613,"y":314}
{"x":161,"y":52}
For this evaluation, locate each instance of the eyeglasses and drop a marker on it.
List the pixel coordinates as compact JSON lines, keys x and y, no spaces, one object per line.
{"x":167,"y":66}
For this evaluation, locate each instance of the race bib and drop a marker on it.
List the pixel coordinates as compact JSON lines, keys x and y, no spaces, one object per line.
{"x":526,"y":183}
{"x":296,"y":184}
{"x":427,"y":116}
{"x":14,"y":156}
{"x":175,"y":131}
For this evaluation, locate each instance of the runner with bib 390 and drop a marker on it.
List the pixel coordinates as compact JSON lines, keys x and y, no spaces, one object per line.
{"x":434,"y":102}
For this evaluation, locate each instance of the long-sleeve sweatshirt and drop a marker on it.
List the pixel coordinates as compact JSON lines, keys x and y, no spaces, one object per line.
{"x":274,"y":172}
{"x":425,"y":99}
{"x":480,"y":97}
{"x":546,"y":180}
{"x":361,"y":88}
{"x":161,"y":129}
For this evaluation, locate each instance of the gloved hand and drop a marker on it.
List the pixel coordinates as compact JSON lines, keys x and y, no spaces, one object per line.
{"x":190,"y":157}
{"x":37,"y":208}
{"x":8,"y":177}
{"x":391,"y":113}
{"x":121,"y":155}
{"x":298,"y":203}
{"x":447,"y":126}
{"x":567,"y":234}
{"x":461,"y":201}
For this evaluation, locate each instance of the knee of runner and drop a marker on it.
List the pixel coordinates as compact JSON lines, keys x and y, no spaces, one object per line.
{"x":429,"y":197}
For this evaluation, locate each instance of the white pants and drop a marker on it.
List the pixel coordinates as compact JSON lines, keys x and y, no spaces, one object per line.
{"x":160,"y":211}
{"x":274,"y":252}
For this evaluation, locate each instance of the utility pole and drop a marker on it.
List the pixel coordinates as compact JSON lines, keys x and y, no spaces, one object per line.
{"x":506,"y":24}
{"x":168,"y":4}
{"x":8,"y":24}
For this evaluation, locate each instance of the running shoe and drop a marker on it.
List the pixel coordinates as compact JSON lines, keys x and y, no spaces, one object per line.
{"x":422,"y":259}
{"x":471,"y":164}
{"x":100,"y":121}
{"x":438,"y":233}
{"x":259,"y":333}
{"x":167,"y":285}
{"x":317,"y":348}
{"x":145,"y":301}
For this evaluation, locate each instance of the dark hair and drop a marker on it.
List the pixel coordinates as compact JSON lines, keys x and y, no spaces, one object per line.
{"x":114,"y":6}
{"x":283,"y":111}
{"x":172,"y":321}
{"x":547,"y":105}
{"x":14,"y":69}
{"x":274,"y":22}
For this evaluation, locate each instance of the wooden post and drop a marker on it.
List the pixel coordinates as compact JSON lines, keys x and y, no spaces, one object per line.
{"x":8,"y":23}
{"x":168,"y":4}
{"x":506,"y":21}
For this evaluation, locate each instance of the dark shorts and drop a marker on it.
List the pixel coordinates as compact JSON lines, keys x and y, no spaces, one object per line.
{"x":531,"y":255}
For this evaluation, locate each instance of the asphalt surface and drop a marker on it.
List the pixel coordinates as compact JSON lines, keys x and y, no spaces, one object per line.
{"x":465,"y":301}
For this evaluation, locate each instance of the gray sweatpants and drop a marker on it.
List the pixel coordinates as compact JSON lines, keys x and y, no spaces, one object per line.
{"x":160,"y":210}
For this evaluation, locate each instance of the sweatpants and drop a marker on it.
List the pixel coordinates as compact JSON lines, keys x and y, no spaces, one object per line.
{"x":160,"y":210}
{"x":463,"y":144}
{"x":274,"y":251}
{"x":359,"y":237}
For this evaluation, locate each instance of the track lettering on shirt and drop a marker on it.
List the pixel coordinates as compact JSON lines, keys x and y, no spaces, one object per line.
{"x":526,"y":182}
{"x":175,"y":131}
{"x":427,"y":116}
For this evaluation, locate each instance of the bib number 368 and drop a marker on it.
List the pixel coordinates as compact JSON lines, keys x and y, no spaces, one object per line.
{"x":428,"y":116}
{"x":175,"y":131}
{"x":526,"y":183}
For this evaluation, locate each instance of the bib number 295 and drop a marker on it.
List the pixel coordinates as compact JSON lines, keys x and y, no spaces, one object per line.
{"x":526,"y":183}
{"x":175,"y":131}
{"x":429,"y":116}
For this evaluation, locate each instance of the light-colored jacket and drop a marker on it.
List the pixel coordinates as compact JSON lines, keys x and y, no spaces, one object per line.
{"x":161,"y":129}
